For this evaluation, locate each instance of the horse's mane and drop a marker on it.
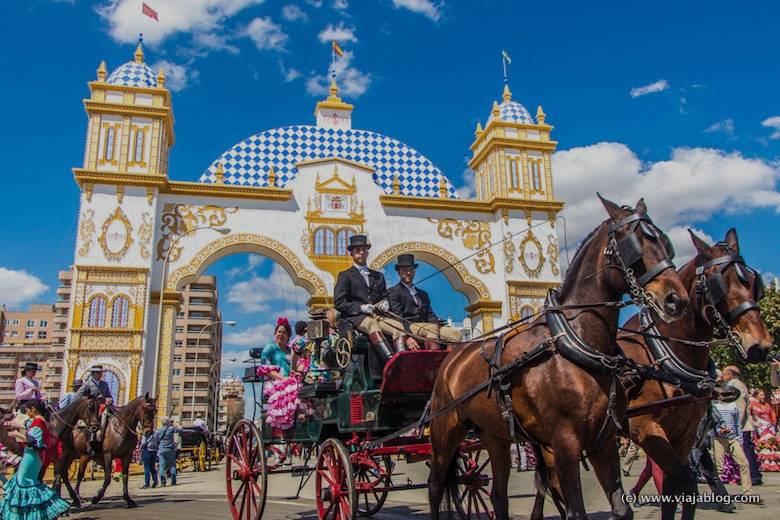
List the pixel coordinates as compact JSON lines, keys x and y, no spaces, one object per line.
{"x":567,"y":281}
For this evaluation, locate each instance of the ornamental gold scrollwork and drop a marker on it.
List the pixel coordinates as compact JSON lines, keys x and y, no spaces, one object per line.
{"x":145,"y":235}
{"x":86,"y":232}
{"x":475,"y":235}
{"x":531,"y":256}
{"x":177,"y":219}
{"x":116,"y":236}
{"x":552,"y":253}
{"x":509,"y":253}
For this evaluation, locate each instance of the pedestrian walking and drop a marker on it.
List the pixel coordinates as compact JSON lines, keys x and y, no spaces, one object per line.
{"x":632,"y":452}
{"x":166,"y":449}
{"x":732,"y":377}
{"x":25,"y":496}
{"x":701,"y":460}
{"x":728,"y":434}
{"x":149,"y":448}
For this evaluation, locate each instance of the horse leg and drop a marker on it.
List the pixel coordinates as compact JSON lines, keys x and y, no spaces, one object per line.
{"x":125,"y":474}
{"x":83,"y":461}
{"x":501,"y":464}
{"x":568,"y":451}
{"x":446,"y":434}
{"x":606,"y":465}
{"x":546,"y":481}
{"x":62,"y":476}
{"x":106,"y":478}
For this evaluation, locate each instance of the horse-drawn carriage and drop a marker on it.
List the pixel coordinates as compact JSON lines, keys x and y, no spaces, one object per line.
{"x":355,"y":422}
{"x":198,"y":449}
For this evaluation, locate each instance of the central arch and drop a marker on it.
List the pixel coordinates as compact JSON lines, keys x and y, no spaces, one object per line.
{"x":451,"y":267}
{"x":249,"y":243}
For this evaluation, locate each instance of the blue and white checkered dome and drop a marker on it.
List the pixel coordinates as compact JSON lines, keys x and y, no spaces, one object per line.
{"x":248,"y":162}
{"x":133,"y":74}
{"x":513,"y":112}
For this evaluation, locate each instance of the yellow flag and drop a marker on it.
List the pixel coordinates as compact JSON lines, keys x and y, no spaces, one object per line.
{"x":337,"y":49}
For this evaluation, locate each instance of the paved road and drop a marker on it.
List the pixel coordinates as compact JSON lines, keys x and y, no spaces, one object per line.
{"x":201,"y":495}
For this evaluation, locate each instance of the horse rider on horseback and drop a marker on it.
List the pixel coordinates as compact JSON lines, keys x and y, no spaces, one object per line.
{"x":69,"y":397}
{"x":414,"y":306}
{"x":27,"y":388}
{"x":98,"y":389}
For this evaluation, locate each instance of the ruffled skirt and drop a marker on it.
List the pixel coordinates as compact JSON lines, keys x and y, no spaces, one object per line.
{"x":282,"y":404}
{"x":35,"y":502}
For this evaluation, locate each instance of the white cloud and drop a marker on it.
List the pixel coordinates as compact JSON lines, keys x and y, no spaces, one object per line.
{"x":255,"y":336}
{"x":658,"y":86}
{"x":266,"y":34}
{"x":293,"y":13}
{"x":352,"y":81}
{"x":340,"y":4}
{"x":233,"y":368}
{"x":340,"y":33}
{"x":276,"y":291}
{"x":315,"y":3}
{"x":18,"y":287}
{"x":681,"y":240}
{"x":177,"y":77}
{"x":690,"y":187}
{"x":212,"y":41}
{"x":467,"y":190}
{"x":125,"y":19}
{"x":726,"y":126}
{"x":774,"y":123}
{"x":253,"y":261}
{"x":291,"y":75}
{"x":425,"y":7}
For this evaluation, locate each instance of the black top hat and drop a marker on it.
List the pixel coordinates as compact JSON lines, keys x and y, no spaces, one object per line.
{"x":77,"y":383}
{"x":30,"y":366}
{"x":96,"y":368}
{"x":406,"y":260}
{"x":358,"y":241}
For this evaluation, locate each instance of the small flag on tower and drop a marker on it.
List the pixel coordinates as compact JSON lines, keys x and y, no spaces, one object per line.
{"x":506,"y":58}
{"x":148,"y":11}
{"x":337,"y":49}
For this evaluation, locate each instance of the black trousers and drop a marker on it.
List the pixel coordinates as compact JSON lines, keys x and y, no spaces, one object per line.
{"x":750,"y":453}
{"x":701,"y":460}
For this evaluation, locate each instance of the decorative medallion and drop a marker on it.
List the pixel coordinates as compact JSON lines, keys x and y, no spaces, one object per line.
{"x":552,"y":253}
{"x":86,"y":231}
{"x":531,"y":256}
{"x":475,"y":234}
{"x":177,"y":219}
{"x":509,"y":253}
{"x":116,"y":236}
{"x":145,"y":235}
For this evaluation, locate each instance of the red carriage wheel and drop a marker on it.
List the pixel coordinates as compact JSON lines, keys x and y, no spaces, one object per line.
{"x":470,"y":490}
{"x":245,"y":472}
{"x":372,"y":482}
{"x":334,"y":483}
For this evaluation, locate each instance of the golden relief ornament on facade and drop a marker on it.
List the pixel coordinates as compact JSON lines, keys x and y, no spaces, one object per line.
{"x":553,"y":253}
{"x":116,"y":236}
{"x":509,"y":253}
{"x":86,"y":232}
{"x":531,"y":256}
{"x":145,"y":235}
{"x":475,"y":235}
{"x":178,"y":219}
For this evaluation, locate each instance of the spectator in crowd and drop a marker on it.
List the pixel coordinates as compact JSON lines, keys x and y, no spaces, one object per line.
{"x":728,"y":434}
{"x":200,"y":424}
{"x":149,"y":446}
{"x":166,"y":449}
{"x":632,"y":452}
{"x":701,"y":460}
{"x":765,"y":432}
{"x":731,"y":375}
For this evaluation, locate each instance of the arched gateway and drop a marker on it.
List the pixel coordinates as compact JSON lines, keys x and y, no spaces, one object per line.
{"x":294,"y":194}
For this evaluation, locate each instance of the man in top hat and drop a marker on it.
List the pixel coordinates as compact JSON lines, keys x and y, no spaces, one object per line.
{"x":414,"y":306}
{"x":359,"y":291}
{"x":27,"y":388}
{"x":97,"y":388}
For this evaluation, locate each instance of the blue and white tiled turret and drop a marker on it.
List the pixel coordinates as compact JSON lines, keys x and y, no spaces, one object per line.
{"x":134,"y":73}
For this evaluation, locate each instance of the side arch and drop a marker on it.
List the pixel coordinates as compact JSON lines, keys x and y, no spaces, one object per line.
{"x":248,"y":243}
{"x":452,"y":268}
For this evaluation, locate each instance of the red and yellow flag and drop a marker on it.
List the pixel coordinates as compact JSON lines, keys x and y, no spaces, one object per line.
{"x":148,"y":11}
{"x":337,"y":49}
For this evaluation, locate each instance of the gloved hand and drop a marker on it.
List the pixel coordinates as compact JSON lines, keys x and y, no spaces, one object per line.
{"x":383,"y":306}
{"x":367,"y":308}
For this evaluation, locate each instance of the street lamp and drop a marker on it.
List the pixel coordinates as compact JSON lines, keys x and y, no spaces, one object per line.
{"x":197,"y":351}
{"x":223,"y":231}
{"x":216,"y":389}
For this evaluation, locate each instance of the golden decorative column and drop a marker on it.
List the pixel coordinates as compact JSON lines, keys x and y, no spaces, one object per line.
{"x":170,"y":303}
{"x":135,"y":364}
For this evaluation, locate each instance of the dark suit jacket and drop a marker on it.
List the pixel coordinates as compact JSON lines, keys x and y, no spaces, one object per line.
{"x":351,"y":292}
{"x":402,"y":304}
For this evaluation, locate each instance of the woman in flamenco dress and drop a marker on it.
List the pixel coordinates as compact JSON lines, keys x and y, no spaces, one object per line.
{"x":25,"y":496}
{"x":282,"y":392}
{"x":765,"y":432}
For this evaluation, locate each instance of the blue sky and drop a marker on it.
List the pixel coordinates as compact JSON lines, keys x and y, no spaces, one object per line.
{"x":676,"y":101}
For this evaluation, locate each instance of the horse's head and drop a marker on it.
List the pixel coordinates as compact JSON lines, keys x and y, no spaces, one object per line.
{"x":727,"y":296}
{"x":88,"y":410}
{"x":642,"y":255}
{"x":146,"y":413}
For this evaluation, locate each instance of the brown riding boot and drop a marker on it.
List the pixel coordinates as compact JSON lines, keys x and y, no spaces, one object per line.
{"x":377,"y":339}
{"x":400,"y":343}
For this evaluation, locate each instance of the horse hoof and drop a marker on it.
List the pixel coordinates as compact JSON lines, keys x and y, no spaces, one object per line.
{"x":131,"y":504}
{"x":95,"y":500}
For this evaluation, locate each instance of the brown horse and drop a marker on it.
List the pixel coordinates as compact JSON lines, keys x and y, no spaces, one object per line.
{"x":7,"y":440}
{"x":119,"y":442}
{"x":557,"y":403}
{"x":668,"y":434}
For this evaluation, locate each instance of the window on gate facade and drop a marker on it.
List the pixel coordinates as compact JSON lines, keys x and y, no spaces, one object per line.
{"x":342,"y":240}
{"x":324,"y":242}
{"x":108,"y":147}
{"x":119,"y":311}
{"x":536,"y":175}
{"x":138,"y":151}
{"x":513,"y":167}
{"x":97,"y":312}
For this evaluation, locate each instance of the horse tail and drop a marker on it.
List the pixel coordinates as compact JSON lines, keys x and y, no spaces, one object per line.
{"x":451,"y":486}
{"x":541,"y":478}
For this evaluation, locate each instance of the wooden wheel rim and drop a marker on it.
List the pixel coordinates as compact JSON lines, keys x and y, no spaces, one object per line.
{"x":334,"y":483}
{"x":471,"y":495}
{"x":245,"y":472}
{"x":367,"y":477}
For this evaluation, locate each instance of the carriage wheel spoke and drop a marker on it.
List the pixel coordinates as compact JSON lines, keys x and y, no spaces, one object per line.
{"x":330,"y":508}
{"x":484,"y":505}
{"x":344,"y":508}
{"x":328,"y":478}
{"x":243,"y":503}
{"x":238,"y":492}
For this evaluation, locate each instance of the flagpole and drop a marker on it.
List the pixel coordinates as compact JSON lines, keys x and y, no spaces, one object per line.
{"x":333,"y":61}
{"x":503,"y":62}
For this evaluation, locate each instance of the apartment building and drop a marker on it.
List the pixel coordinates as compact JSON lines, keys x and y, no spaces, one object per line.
{"x":196,"y":351}
{"x":231,"y":403}
{"x":59,"y":333}
{"x":31,"y":327}
{"x":13,"y":357}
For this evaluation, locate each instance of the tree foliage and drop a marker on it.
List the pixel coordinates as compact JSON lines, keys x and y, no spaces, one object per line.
{"x":755,"y":375}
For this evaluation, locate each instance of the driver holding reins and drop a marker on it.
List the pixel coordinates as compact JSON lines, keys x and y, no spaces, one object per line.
{"x":97,"y":388}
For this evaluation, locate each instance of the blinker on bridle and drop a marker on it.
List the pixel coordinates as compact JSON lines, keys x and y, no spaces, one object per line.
{"x":627,"y":250}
